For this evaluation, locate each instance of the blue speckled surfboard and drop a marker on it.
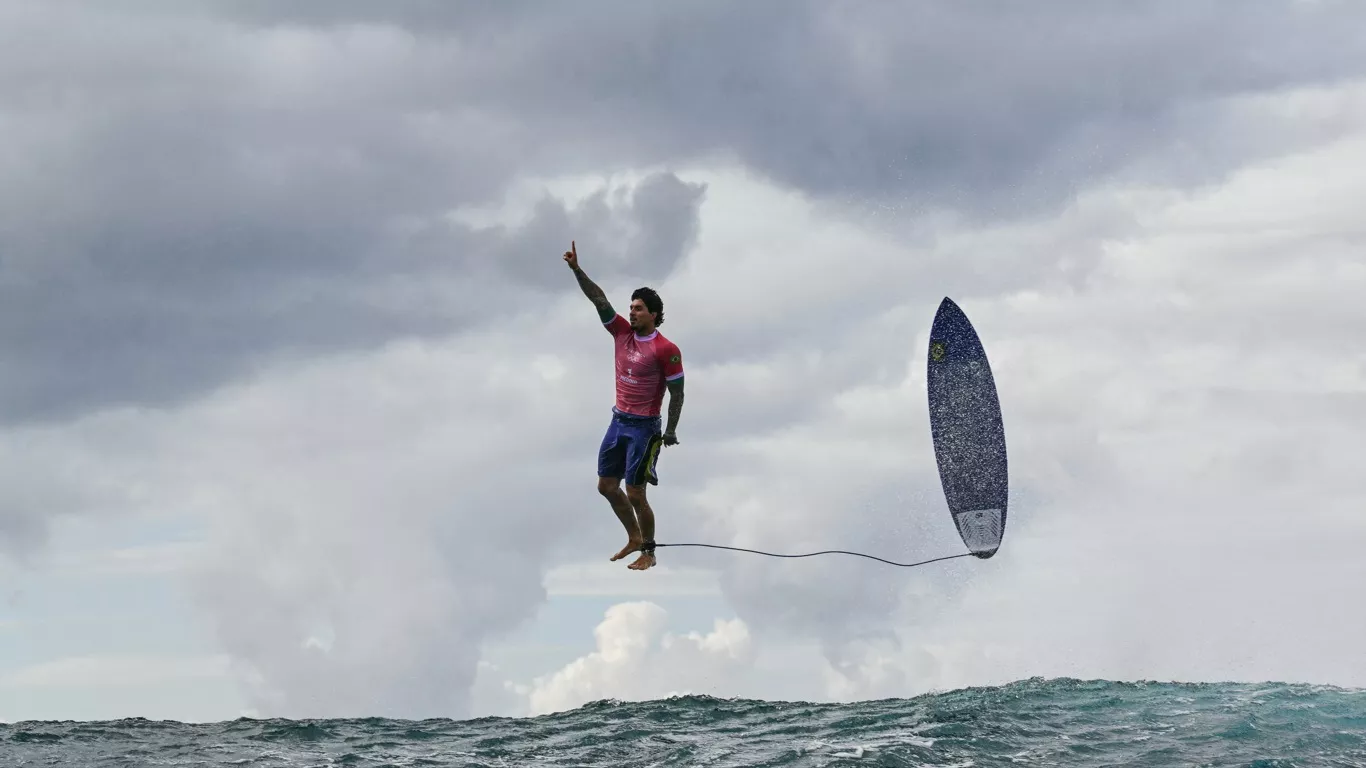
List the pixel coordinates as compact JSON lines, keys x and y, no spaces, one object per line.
{"x":967,"y":430}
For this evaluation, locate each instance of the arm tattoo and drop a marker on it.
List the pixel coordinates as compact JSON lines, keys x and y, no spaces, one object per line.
{"x":595,"y":295}
{"x":675,"y":403}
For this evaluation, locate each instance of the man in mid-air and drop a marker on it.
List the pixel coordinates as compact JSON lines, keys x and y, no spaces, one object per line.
{"x":646,"y":363}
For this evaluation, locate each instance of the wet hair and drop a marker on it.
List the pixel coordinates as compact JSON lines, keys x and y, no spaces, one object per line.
{"x":652,"y":302}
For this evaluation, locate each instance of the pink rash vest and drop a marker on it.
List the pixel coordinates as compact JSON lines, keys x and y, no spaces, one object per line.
{"x":644,"y":364}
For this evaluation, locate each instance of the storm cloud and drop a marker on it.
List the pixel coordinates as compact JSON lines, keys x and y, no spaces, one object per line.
{"x":191,"y":188}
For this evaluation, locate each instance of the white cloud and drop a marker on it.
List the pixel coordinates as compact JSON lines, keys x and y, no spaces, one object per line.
{"x":637,"y":659}
{"x":411,"y":525}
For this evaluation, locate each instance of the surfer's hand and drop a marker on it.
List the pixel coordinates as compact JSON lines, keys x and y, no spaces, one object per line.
{"x":571,"y":256}
{"x":670,"y":438}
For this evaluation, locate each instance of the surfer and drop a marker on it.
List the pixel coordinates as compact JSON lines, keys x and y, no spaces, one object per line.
{"x":646,"y":364}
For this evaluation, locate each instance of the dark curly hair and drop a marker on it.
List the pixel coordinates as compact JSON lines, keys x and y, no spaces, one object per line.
{"x":652,"y":303}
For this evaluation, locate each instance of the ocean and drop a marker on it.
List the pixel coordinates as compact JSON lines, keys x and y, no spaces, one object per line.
{"x":1034,"y":722}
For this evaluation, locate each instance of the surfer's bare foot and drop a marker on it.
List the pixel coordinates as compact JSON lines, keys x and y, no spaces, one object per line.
{"x":644,"y":561}
{"x":632,"y":545}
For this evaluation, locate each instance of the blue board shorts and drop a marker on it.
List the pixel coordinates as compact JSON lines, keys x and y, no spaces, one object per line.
{"x":630,"y":449}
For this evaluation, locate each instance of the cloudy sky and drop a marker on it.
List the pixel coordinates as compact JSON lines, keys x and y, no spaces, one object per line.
{"x":299,"y":406}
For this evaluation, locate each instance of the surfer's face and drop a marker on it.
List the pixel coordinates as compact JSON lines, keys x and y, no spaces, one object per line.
{"x":639,"y":315}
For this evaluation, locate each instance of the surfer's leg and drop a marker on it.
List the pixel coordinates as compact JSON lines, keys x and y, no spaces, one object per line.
{"x":646,"y":517}
{"x":611,"y":467}
{"x":641,"y":459}
{"x":610,"y":487}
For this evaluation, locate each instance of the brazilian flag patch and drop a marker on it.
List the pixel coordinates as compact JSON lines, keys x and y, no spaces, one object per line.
{"x":937,"y":350}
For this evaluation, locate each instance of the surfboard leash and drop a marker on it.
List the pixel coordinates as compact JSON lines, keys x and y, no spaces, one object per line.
{"x":649,"y":547}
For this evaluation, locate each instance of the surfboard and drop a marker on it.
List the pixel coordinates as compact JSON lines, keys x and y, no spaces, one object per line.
{"x":967,"y":430}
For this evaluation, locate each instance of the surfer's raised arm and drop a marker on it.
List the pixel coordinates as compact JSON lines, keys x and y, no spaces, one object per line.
{"x":590,"y":288}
